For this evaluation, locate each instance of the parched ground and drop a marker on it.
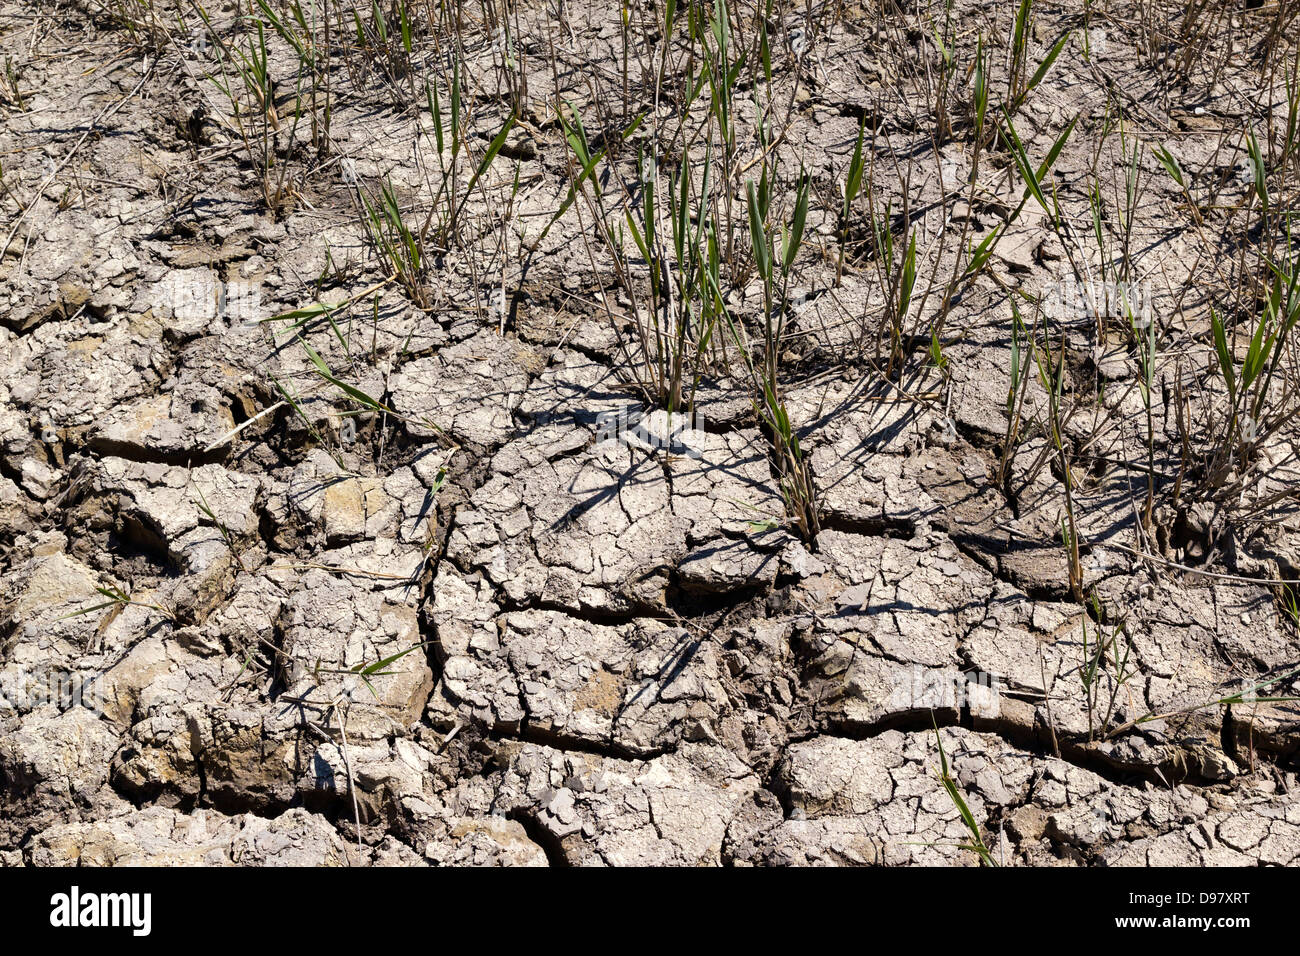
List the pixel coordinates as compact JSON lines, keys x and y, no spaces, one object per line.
{"x":433,"y":608}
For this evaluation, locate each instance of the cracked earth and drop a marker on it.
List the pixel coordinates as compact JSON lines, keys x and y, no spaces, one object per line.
{"x":480,"y":628}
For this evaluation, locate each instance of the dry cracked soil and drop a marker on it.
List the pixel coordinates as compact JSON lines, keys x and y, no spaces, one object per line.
{"x":308,"y":559}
